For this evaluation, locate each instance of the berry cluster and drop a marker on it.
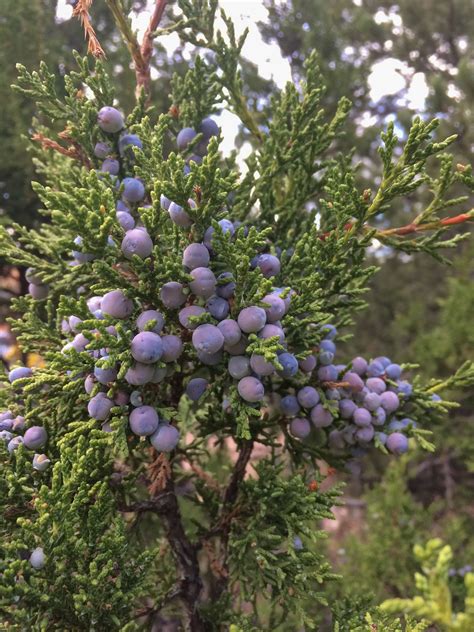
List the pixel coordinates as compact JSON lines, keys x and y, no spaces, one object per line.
{"x":13,"y":430}
{"x":362,"y":401}
{"x":352,"y":404}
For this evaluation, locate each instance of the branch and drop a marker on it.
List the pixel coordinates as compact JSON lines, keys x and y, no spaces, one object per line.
{"x":189,"y":585}
{"x":141,"y":56}
{"x":416,"y":228}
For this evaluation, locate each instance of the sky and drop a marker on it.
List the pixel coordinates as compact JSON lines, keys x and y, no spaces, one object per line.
{"x":388,"y":76}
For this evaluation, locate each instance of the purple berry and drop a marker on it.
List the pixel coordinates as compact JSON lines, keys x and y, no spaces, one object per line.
{"x":372,"y":401}
{"x":329,"y":331}
{"x":35,"y":437}
{"x":37,"y":558}
{"x":359,"y":365}
{"x":147,"y":347}
{"x":102,"y":150}
{"x":104,"y":376}
{"x":185,"y":137}
{"x":19,"y":373}
{"x":179,"y":216}
{"x":5,"y":435}
{"x":270,"y":331}
{"x":99,"y":407}
{"x":230,"y":330}
{"x":116,"y":304}
{"x":275,"y":307}
{"x":328,"y":345}
{"x":126,"y":144}
{"x":32,"y":277}
{"x":379,"y":417}
{"x":226,"y":227}
{"x":383,"y":360}
{"x":143,"y":421}
{"x":389,"y":401}
{"x":225,"y":285}
{"x":252,"y":319}
{"x":365,"y":434}
{"x":188,"y":312}
{"x":172,"y":295}
{"x":336,"y":440}
{"x":218,"y":307}
{"x":38,"y":292}
{"x":172,"y":348}
{"x":41,"y":462}
{"x":137,"y":242}
{"x":362,"y":417}
{"x":13,"y":444}
{"x":308,"y":364}
{"x":139,"y":374}
{"x":289,"y":406}
{"x":289,"y":365}
{"x":207,"y":339}
{"x":209,"y":128}
{"x":328,"y":373}
{"x":164,"y":202}
{"x":203,"y":283}
{"x":260,"y":366}
{"x":320,"y":417}
{"x":165,"y":439}
{"x":110,"y":165}
{"x":308,"y":397}
{"x":110,"y":120}
{"x":133,"y":190}
{"x":210,"y":359}
{"x":239,"y":348}
{"x":375,"y":369}
{"x":251,"y":389}
{"x":269,"y":265}
{"x":125,"y":220}
{"x":376,"y":384}
{"x":79,"y":342}
{"x":325,"y":357}
{"x":147,"y":317}
{"x":393,"y":371}
{"x":355,"y":383}
{"x":300,"y":428}
{"x":196,"y":256}
{"x":196,"y":388}
{"x":239,"y":367}
{"x":397,"y":443}
{"x":405,"y":388}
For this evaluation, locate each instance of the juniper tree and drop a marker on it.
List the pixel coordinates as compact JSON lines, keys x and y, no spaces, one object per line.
{"x":180,"y":305}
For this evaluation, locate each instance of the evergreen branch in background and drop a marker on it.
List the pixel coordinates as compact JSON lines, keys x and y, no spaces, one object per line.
{"x":434,"y":604}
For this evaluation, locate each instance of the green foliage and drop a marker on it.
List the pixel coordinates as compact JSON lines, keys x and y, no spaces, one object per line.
{"x":434,"y":602}
{"x":108,"y":504}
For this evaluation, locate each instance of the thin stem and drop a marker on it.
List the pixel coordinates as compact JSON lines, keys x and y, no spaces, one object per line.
{"x":416,"y":228}
{"x":141,"y":56}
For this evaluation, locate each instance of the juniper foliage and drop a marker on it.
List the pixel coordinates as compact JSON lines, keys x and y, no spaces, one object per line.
{"x":129,"y":537}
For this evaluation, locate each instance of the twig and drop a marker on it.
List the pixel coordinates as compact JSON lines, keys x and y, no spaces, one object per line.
{"x":81,"y":11}
{"x":141,"y":56}
{"x":144,"y":77}
{"x":416,"y":228}
{"x":73,"y":151}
